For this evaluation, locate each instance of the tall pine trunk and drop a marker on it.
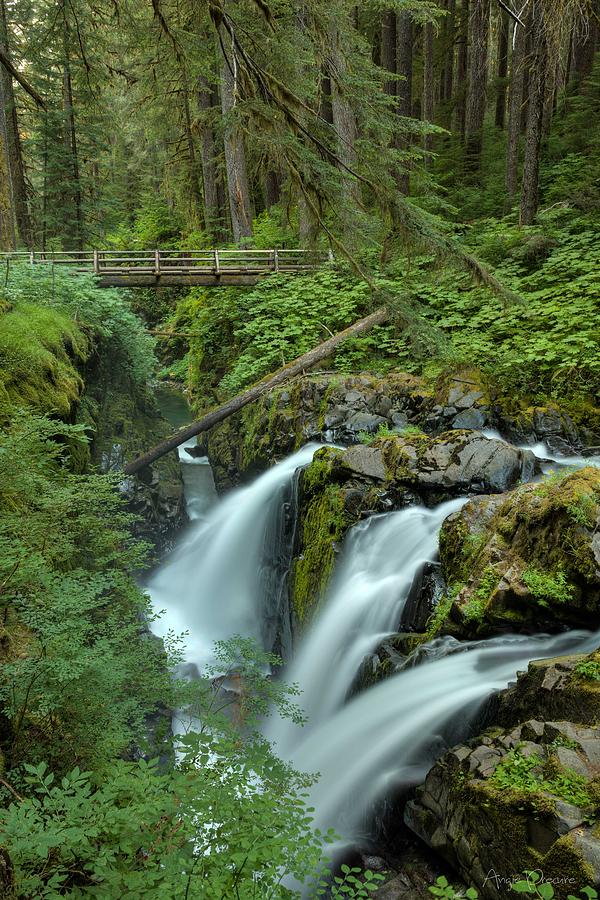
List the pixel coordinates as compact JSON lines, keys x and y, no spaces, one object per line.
{"x":73,"y":233}
{"x":462,"y":68}
{"x":404,"y":68}
{"x":238,"y":189}
{"x":194,"y":170}
{"x":515,"y":103}
{"x":7,"y":216}
{"x":15,"y":169}
{"x":214,"y":192}
{"x":477,"y":82}
{"x":428,"y":80}
{"x":388,"y":49}
{"x":344,"y":120}
{"x":502,"y":70}
{"x":535,"y":117}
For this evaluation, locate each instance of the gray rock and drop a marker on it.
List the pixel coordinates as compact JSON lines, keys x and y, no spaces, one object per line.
{"x":399,"y":418}
{"x":468,"y":400}
{"x":366,"y":461}
{"x":362,"y":421}
{"x":470,"y":418}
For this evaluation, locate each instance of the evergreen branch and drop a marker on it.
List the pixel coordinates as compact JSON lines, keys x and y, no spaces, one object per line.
{"x":27,"y":87}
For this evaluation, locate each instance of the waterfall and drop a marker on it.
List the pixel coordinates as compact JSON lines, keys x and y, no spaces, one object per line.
{"x":389,"y":735}
{"x":211,"y":587}
{"x":381,"y":558}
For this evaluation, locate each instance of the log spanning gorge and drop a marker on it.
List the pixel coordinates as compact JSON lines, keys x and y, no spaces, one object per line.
{"x":371,"y":739}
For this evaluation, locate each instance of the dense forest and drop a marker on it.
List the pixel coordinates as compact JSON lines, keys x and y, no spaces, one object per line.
{"x":344,"y":642}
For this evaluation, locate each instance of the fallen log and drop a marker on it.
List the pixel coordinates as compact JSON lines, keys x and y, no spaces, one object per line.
{"x":296,"y":367}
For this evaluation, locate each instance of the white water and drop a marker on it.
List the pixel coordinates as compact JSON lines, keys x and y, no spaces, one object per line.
{"x":381,"y":558}
{"x":389,"y":735}
{"x":211,"y":585}
{"x":543,"y":452}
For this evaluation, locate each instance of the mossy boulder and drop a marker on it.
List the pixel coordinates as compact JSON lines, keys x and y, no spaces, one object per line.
{"x":527,"y":560}
{"x":508,"y":802}
{"x":342,"y":486}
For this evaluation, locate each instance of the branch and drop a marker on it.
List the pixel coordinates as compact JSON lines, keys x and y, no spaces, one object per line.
{"x":5,"y":61}
{"x":511,"y":13}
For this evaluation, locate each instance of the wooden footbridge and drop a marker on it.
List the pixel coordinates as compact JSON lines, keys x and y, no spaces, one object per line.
{"x":172,"y":268}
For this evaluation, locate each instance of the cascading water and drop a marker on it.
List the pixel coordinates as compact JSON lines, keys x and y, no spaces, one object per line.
{"x":211,"y":586}
{"x":381,"y":559}
{"x":389,"y":735}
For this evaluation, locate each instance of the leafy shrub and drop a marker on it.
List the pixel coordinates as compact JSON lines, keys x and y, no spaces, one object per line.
{"x":548,"y":587}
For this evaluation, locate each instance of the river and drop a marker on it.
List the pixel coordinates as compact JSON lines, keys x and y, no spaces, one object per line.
{"x":225,"y":577}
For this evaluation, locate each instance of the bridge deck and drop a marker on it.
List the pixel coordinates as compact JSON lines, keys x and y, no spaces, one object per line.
{"x":155,"y":268}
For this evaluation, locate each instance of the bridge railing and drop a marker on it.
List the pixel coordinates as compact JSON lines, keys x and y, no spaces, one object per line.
{"x":175,"y":262}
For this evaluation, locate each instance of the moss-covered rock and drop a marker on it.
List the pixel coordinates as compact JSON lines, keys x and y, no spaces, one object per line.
{"x":342,"y":486}
{"x":508,"y":802}
{"x":341,"y":408}
{"x":527,"y":560}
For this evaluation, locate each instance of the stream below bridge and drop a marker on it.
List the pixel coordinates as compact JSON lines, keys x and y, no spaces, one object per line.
{"x":227,"y":576}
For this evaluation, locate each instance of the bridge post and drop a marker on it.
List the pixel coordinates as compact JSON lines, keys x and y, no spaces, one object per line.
{"x":157,"y":262}
{"x":276,"y":260}
{"x":96,"y":263}
{"x":32,"y":257}
{"x":217,"y":269}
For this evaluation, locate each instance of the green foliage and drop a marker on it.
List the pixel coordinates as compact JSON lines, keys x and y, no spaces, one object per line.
{"x":384,"y":431}
{"x":443,"y":888}
{"x":477,"y":603}
{"x":588,"y":670}
{"x":526,"y":775}
{"x":101,"y":315}
{"x":71,"y":611}
{"x":548,"y":587}
{"x":39,"y":351}
{"x":353,"y":884}
{"x":534,"y":884}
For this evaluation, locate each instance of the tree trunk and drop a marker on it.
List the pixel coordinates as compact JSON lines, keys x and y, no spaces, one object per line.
{"x":502,"y":70}
{"x":388,"y":49}
{"x":7,"y":217}
{"x":462,"y":61}
{"x":535,"y":115}
{"x":515,"y":102}
{"x":235,"y":155}
{"x":296,"y":367}
{"x":404,"y":65}
{"x":476,"y":87}
{"x":450,"y":25}
{"x":194,"y":172}
{"x":214,"y":193}
{"x":14,"y":153}
{"x":344,"y":120}
{"x":74,"y":227}
{"x":272,"y":188}
{"x":428,"y":82}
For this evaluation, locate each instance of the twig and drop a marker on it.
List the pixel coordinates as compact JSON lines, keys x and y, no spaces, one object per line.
{"x":11,"y":789}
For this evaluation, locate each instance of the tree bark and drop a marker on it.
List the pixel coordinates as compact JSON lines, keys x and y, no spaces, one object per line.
{"x":515,"y":103}
{"x":428,"y":82}
{"x":272,"y":188}
{"x":388,"y":49}
{"x":74,"y":227}
{"x":7,"y":217}
{"x":344,"y":120}
{"x":194,"y":171}
{"x":476,"y":87}
{"x":214,"y":193}
{"x":296,"y":367}
{"x":404,"y":66}
{"x":16,"y":168}
{"x":238,"y":189}
{"x":584,"y":46}
{"x":502,"y":70}
{"x":449,"y":32}
{"x":462,"y":61}
{"x":535,"y":116}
